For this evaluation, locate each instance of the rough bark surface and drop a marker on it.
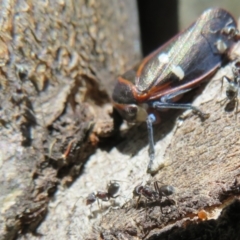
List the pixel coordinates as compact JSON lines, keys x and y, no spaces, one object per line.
{"x":199,"y":158}
{"x":58,"y":60}
{"x":201,"y":161}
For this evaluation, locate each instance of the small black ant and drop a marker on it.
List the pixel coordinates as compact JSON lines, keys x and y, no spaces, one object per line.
{"x":145,"y":191}
{"x":155,"y":194}
{"x":233,"y":85}
{"x":112,"y":189}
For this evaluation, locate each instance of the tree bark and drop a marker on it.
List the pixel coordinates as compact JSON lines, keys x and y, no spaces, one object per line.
{"x":200,"y":159}
{"x":58,"y":63}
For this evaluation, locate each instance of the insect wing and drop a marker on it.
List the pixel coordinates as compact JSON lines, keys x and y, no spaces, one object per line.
{"x":189,"y":56}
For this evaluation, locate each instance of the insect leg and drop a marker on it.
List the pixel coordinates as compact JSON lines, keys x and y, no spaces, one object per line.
{"x":157,"y":189}
{"x":151,"y":151}
{"x":160,"y":105}
{"x":99,"y":205}
{"x":165,"y":103}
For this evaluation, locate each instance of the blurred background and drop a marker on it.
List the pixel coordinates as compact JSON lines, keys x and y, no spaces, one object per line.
{"x":162,"y":19}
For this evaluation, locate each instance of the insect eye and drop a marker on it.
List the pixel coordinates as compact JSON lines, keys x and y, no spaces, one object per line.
{"x":131,"y":110}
